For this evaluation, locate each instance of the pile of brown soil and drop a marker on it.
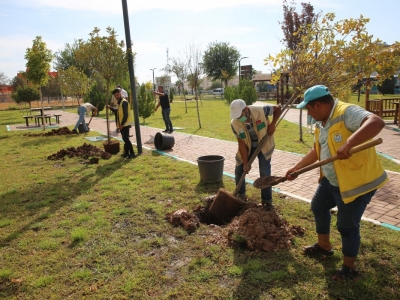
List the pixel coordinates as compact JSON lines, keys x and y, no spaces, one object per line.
{"x":86,"y":151}
{"x":257,"y":229}
{"x":59,"y":131}
{"x":253,"y":229}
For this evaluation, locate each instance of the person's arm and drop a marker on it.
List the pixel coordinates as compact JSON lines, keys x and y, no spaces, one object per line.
{"x":275,"y":117}
{"x":244,"y":153}
{"x":310,"y":158}
{"x":369,"y":128}
{"x":114,"y":110}
{"x":158,"y":105}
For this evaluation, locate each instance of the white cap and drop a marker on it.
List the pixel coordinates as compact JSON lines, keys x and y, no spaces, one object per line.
{"x":236,"y":108}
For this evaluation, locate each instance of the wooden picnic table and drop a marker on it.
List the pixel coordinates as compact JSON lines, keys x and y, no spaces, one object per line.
{"x":40,"y":109}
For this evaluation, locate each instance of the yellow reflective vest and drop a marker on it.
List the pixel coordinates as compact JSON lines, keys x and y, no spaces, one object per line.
{"x":260,"y":125}
{"x":129,"y":121}
{"x":363,"y":171}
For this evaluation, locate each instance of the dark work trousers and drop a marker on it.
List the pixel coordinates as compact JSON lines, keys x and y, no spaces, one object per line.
{"x":116,"y":122}
{"x":128,"y":148}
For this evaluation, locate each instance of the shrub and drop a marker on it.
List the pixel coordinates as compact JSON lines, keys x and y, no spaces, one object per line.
{"x":146,"y":103}
{"x":245,"y":91}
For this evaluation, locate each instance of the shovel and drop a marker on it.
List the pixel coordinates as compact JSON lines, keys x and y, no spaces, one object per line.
{"x":225,"y":205}
{"x":267,"y":181}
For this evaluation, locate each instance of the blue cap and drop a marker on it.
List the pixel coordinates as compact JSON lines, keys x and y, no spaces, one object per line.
{"x":315,"y":92}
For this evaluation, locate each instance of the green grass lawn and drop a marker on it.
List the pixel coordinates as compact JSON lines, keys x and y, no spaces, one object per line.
{"x":70,"y":230}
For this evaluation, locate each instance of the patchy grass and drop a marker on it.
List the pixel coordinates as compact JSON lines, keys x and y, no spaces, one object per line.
{"x":73,"y":230}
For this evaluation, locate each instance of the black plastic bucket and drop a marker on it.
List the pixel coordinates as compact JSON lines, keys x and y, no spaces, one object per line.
{"x":164,"y":141}
{"x":211,"y":167}
{"x":81,"y":129}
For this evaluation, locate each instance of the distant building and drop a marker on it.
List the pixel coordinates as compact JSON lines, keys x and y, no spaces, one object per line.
{"x":165,"y":81}
{"x":5,"y":93}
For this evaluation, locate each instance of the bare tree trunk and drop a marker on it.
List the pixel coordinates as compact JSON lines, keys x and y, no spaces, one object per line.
{"x":108,"y":124}
{"x":301,"y":125}
{"x":41,"y":99}
{"x":197,"y":106}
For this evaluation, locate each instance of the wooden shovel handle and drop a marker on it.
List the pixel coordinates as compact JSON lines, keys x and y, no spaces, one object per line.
{"x":252,"y":158}
{"x":333,"y":158}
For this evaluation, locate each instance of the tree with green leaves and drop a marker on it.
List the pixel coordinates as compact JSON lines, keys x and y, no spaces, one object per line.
{"x":38,"y":65}
{"x":105,"y":56}
{"x":26,"y":94}
{"x":52,"y":88}
{"x":96,"y":96}
{"x":218,"y":57}
{"x":146,"y":102}
{"x":387,"y":86}
{"x":65,"y":58}
{"x":74,"y":82}
{"x":18,"y":81}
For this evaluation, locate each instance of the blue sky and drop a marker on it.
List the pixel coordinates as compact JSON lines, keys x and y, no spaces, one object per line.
{"x":252,"y":26}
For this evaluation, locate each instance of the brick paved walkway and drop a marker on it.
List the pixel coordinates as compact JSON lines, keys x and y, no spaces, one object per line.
{"x":383,"y":209}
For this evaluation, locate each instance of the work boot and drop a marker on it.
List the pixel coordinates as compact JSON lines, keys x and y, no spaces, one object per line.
{"x":124,"y":155}
{"x":242,"y":197}
{"x":268,"y":206}
{"x":75,"y":131}
{"x":130,"y":156}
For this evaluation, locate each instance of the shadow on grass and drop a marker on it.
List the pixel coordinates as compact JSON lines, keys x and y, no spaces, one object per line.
{"x":50,"y":195}
{"x":265,"y":275}
{"x":209,"y":188}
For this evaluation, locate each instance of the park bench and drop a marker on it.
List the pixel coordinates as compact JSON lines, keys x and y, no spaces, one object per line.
{"x":27,"y":119}
{"x":57,"y":118}
{"x":385,"y":108}
{"x":39,"y":119}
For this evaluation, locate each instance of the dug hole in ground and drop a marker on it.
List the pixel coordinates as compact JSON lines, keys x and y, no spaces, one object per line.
{"x":252,"y":228}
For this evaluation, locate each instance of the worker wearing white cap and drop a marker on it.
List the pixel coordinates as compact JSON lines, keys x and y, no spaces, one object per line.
{"x":250,"y":124}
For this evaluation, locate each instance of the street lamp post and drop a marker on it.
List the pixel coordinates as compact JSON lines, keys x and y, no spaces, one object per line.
{"x":154,"y":86}
{"x":240,"y":71}
{"x":131,"y":77}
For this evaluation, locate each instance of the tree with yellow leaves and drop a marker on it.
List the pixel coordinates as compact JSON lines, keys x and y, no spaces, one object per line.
{"x":337,"y":54}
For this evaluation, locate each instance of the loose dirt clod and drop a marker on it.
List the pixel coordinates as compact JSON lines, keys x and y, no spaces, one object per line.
{"x":184,"y":218}
{"x":86,"y":151}
{"x":59,"y":131}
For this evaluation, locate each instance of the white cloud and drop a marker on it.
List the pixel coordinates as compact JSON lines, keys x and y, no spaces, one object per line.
{"x":14,"y":46}
{"x":13,"y":50}
{"x":115,"y":6}
{"x":147,"y":47}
